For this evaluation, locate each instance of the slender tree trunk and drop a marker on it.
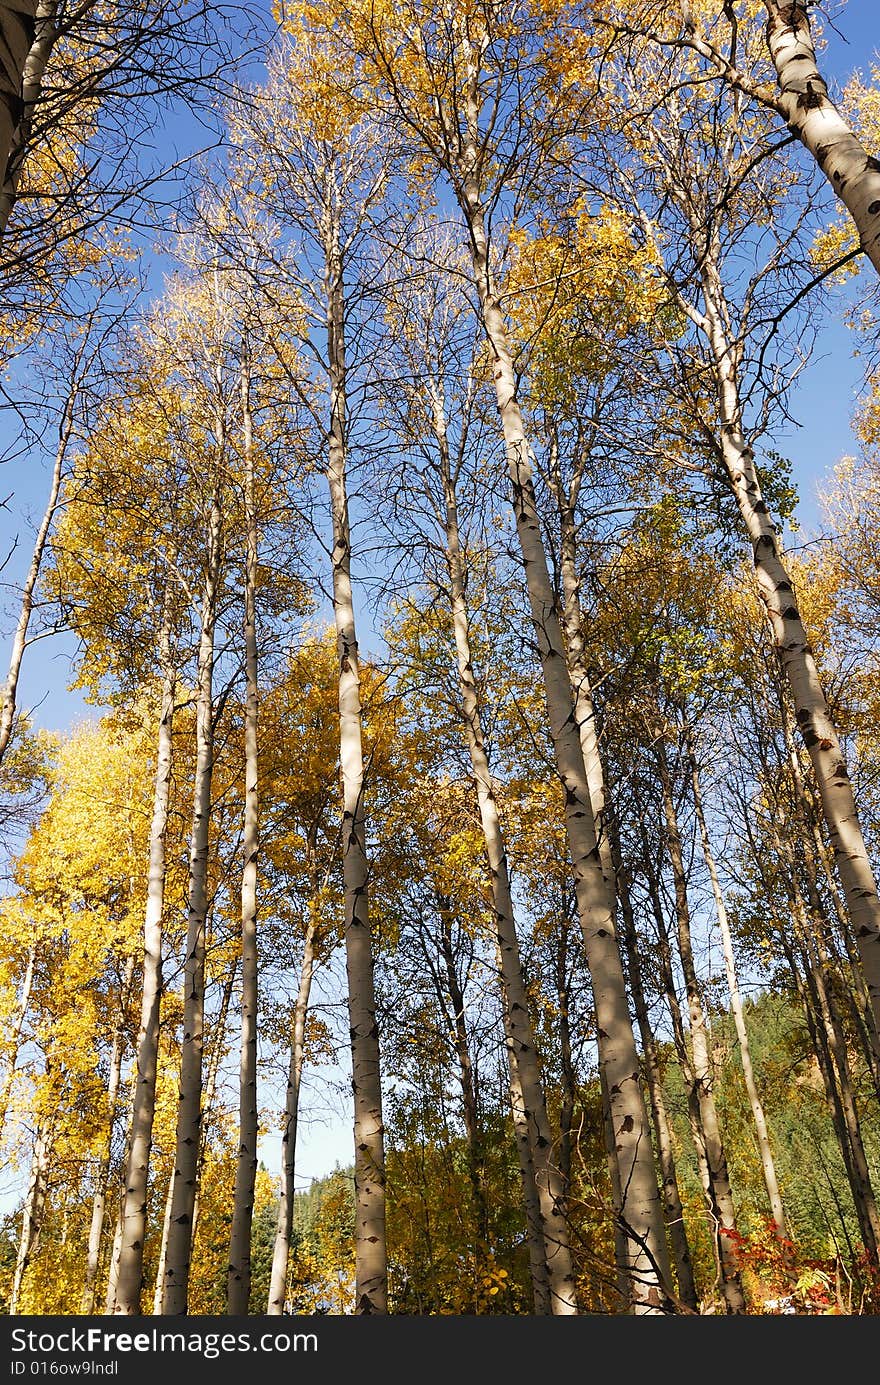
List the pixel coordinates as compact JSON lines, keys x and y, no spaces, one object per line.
{"x":17,"y":28}
{"x":127,"y":1276}
{"x":641,"y":1213}
{"x":284,"y":1224}
{"x":470,"y":1111}
{"x":99,"y":1202}
{"x":777,"y":592}
{"x":673,"y":1211}
{"x":540,"y":1279}
{"x":19,"y":639}
{"x":852,"y":171}
{"x":239,"y":1278}
{"x":721,"y":1208}
{"x":159,"y":1286}
{"x":551,"y":1191}
{"x":763,"y":1135}
{"x":15,"y":1029}
{"x":32,"y":1216}
{"x":210,"y":1088}
{"x":189,"y":1114}
{"x":369,"y":1139}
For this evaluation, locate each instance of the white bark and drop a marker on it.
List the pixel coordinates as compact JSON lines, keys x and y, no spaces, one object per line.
{"x":765,"y":1151}
{"x":99,"y":1201}
{"x":641,"y":1212}
{"x":239,"y":1277}
{"x":852,"y":171}
{"x":284,"y":1224}
{"x":796,"y":657}
{"x":128,"y":1257}
{"x":19,"y":639}
{"x":544,"y":1161}
{"x":189,"y":1115}
{"x":32,"y":1215}
{"x":14,"y":1036}
{"x":369,"y":1173}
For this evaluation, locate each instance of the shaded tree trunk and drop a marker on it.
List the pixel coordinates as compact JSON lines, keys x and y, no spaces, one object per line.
{"x":33,"y":1213}
{"x":17,"y":30}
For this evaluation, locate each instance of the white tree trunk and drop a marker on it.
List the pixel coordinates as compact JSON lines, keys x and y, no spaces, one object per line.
{"x":14,"y":1036}
{"x":852,"y":171}
{"x":189,"y":1114}
{"x":32,"y":1215}
{"x":811,"y":709}
{"x":43,"y":31}
{"x":641,"y":1212}
{"x":19,"y":639}
{"x":719,"y":1192}
{"x":544,"y":1160}
{"x":128,"y":1261}
{"x":284,"y":1223}
{"x":99,"y":1201}
{"x":765,"y":1151}
{"x":239,"y":1277}
{"x":369,"y":1170}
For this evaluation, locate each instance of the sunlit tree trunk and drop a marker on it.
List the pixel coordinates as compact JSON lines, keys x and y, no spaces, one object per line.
{"x":33,"y":1212}
{"x":14,"y":1035}
{"x":239,"y":1278}
{"x":369,"y":1164}
{"x":99,"y":1201}
{"x":641,"y":1213}
{"x":673,"y":1211}
{"x":217,"y":1054}
{"x":777,"y":592}
{"x":128,"y":1257}
{"x":851,"y":169}
{"x":284,"y":1223}
{"x":765,"y":1151}
{"x":551,"y":1191}
{"x":19,"y":639}
{"x":189,"y":1114}
{"x":721,"y":1207}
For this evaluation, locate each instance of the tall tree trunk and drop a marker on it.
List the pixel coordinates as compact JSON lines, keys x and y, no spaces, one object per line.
{"x":540,"y":1279}
{"x":189,"y":1114}
{"x":852,"y":171}
{"x":369,"y":1139}
{"x":99,"y":1201}
{"x":641,"y":1213}
{"x":19,"y":639}
{"x":721,"y":1206}
{"x":14,"y":1036}
{"x":44,"y":31}
{"x":673,"y":1211}
{"x":210,"y":1088}
{"x":159,"y":1286}
{"x":17,"y":30}
{"x":34,"y":1210}
{"x":239,"y":1278}
{"x":777,"y":592}
{"x":470,"y":1110}
{"x":765,"y":1151}
{"x":127,"y":1276}
{"x":551,"y":1191}
{"x":284,"y":1223}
